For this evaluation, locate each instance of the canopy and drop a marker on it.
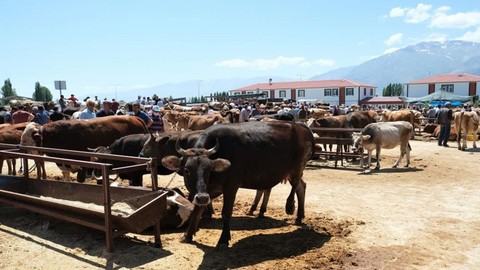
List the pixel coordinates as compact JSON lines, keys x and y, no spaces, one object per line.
{"x":438,"y":96}
{"x":442,"y":103}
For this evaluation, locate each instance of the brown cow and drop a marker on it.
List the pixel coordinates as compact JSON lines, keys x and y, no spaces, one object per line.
{"x":466,"y":123}
{"x":11,"y":134}
{"x":81,"y":135}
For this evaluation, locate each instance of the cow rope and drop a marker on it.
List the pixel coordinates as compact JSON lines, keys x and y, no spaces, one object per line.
{"x":171,"y":180}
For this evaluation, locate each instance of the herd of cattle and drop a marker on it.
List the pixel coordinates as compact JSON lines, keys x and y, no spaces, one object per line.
{"x":217,"y":156}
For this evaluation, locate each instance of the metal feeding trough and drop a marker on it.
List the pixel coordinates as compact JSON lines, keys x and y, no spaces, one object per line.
{"x":114,"y":210}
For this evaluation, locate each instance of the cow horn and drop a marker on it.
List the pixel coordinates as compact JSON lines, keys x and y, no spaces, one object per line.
{"x":213,"y":150}
{"x":95,"y":177}
{"x":179,"y":149}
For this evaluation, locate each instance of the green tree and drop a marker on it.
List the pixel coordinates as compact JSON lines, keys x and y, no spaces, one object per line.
{"x":395,"y":89}
{"x":8,"y":90}
{"x":42,"y":93}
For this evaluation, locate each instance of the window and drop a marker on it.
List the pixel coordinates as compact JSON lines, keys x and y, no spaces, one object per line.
{"x":371,"y":92}
{"x":349,"y":91}
{"x":331,"y":92}
{"x":447,"y":87}
{"x":364,"y":91}
{"x":236,"y":93}
{"x":282,"y":93}
{"x":250,"y":93}
{"x":265,"y":94}
{"x":301,"y":93}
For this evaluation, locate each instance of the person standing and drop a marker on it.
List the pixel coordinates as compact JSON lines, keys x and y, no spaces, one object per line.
{"x":142,"y":115}
{"x":157,"y":124}
{"x":63,"y":103}
{"x":106,"y":111}
{"x":89,"y":112}
{"x":42,"y":116}
{"x":56,"y":115}
{"x":444,"y":119}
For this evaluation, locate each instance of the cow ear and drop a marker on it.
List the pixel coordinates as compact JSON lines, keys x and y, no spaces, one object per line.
{"x":365,"y":137}
{"x":162,"y":140}
{"x":172,"y":162}
{"x":220,"y":165}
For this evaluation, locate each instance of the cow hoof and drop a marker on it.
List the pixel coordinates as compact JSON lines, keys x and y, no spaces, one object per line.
{"x":377,"y":168}
{"x":298,"y":222}
{"x":394,"y":166}
{"x":261,"y":215}
{"x":186,"y":239}
{"x":250,"y":213}
{"x":222,"y":246}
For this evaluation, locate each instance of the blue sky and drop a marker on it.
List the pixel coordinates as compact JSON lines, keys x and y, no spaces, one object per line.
{"x":100,"y":46}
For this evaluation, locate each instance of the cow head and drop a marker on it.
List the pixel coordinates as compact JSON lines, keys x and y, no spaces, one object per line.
{"x":30,"y":135}
{"x":154,"y":145}
{"x":358,"y":139}
{"x":196,"y":169}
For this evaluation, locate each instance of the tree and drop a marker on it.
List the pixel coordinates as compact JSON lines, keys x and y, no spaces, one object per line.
{"x":42,"y":93}
{"x":395,"y":89}
{"x":7,"y":90}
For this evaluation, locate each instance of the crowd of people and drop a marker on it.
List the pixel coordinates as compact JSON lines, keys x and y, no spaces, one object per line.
{"x":145,"y":108}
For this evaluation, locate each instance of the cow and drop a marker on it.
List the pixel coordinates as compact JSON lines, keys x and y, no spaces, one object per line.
{"x":11,"y":134}
{"x":81,"y":135}
{"x":386,"y":135}
{"x":401,"y":115}
{"x":466,"y":123}
{"x":245,"y":155}
{"x":179,"y":210}
{"x":199,"y":122}
{"x":132,"y":145}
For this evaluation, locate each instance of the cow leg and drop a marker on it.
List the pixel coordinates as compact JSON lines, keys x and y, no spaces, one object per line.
{"x":474,"y":140}
{"x":464,"y":140}
{"x":300,"y":191}
{"x":263,"y":207}
{"x":407,"y":150}
{"x":81,"y":175}
{"x":402,"y":153}
{"x":137,"y":180}
{"x":290,"y":204}
{"x":369,"y":163}
{"x":378,"y":150}
{"x":193,"y":224}
{"x":228,"y":201}
{"x":255,"y":202}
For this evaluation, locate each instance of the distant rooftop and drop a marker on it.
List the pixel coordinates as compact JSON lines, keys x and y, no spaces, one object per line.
{"x":303,"y":84}
{"x":448,"y":78}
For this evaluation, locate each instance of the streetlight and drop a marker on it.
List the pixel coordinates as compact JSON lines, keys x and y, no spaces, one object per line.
{"x":198,"y":88}
{"x":115,"y":90}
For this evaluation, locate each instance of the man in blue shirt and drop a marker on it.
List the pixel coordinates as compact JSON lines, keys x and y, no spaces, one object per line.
{"x":42,"y":116}
{"x":141,"y":114}
{"x":89,"y":112}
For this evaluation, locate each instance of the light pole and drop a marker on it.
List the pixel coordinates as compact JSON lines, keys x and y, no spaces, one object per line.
{"x":198,"y":88}
{"x":115,"y":90}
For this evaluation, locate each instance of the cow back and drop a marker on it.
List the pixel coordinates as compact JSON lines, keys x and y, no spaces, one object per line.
{"x":261,"y":153}
{"x":83,"y":134}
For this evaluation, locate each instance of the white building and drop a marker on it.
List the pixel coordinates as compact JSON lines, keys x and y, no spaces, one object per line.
{"x":460,"y":84}
{"x":335,"y":92}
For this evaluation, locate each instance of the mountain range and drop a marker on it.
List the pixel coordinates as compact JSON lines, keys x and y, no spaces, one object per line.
{"x":410,"y":63}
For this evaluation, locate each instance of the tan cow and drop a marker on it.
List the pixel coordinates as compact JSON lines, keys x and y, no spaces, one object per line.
{"x":201,"y":122}
{"x":466,"y":123}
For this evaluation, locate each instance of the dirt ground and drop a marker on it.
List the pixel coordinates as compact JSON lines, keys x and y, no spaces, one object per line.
{"x":423,"y":217}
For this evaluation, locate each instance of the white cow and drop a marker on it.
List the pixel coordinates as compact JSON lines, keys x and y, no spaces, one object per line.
{"x":388,"y":135}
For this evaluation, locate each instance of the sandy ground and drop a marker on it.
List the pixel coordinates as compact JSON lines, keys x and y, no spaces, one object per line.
{"x":423,"y":217}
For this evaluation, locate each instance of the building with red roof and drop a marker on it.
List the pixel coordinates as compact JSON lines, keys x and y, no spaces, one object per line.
{"x":461,"y":84}
{"x":334,"y":92}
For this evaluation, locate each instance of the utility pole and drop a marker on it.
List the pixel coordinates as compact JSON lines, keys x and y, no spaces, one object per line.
{"x":198,"y":88}
{"x":115,"y":85}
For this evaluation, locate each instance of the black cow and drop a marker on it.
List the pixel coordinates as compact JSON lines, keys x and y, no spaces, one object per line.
{"x":132,"y":145}
{"x":253,"y":155}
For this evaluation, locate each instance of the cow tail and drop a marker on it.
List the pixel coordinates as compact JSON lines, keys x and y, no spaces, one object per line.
{"x":409,"y":147}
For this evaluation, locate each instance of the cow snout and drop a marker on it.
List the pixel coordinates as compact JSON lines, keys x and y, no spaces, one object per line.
{"x":201,"y":199}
